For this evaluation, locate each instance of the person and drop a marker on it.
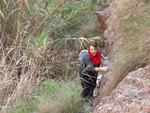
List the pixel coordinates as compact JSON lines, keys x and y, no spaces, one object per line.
{"x":88,"y":72}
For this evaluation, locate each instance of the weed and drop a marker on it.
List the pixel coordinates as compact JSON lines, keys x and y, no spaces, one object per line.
{"x":52,"y":96}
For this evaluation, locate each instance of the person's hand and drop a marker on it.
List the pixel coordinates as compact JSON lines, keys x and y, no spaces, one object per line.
{"x":106,"y":58}
{"x":103,"y":69}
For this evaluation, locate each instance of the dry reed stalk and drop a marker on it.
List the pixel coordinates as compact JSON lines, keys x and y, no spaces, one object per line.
{"x":14,"y":85}
{"x":23,"y":75}
{"x":21,"y":68}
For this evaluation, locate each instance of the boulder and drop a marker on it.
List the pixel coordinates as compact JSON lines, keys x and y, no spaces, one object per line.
{"x":130,"y":96}
{"x":85,"y":109}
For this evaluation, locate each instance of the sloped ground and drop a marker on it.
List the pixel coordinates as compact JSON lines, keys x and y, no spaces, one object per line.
{"x":127,"y":39}
{"x":132,"y":95}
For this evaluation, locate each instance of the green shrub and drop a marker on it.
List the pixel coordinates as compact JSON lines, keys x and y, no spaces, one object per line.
{"x":52,"y":96}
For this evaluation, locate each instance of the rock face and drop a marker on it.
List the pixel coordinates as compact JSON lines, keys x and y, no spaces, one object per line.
{"x":109,"y":35}
{"x":102,"y":16}
{"x":132,"y":95}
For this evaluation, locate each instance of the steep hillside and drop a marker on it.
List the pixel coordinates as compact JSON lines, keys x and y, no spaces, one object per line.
{"x":39,"y":42}
{"x":127,"y":41}
{"x":132,"y":95}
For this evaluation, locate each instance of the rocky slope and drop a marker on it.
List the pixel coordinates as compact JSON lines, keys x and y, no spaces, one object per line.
{"x":132,"y":95}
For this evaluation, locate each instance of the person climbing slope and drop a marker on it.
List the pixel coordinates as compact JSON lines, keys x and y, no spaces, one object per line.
{"x":89,"y":68}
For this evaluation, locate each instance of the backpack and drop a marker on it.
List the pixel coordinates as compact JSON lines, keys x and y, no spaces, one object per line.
{"x":81,"y":55}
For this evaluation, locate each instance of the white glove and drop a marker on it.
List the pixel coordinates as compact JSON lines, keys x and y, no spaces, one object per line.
{"x":99,"y":80}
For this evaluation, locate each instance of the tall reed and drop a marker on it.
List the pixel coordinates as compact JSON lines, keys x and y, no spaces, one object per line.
{"x":33,"y":44}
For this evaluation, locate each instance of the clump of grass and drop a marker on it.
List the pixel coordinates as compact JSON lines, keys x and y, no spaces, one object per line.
{"x":136,"y":41}
{"x":120,"y":11}
{"x":130,"y":21}
{"x":52,"y":96}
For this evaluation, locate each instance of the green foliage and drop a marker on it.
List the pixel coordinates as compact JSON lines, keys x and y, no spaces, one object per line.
{"x":98,"y":39}
{"x":102,"y":2}
{"x":64,"y":94}
{"x":70,"y":17}
{"x":38,"y":42}
{"x":24,"y":106}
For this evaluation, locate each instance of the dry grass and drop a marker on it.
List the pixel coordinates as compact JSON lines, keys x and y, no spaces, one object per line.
{"x":24,"y":74}
{"x":30,"y":49}
{"x":121,"y":10}
{"x":133,"y":52}
{"x":130,"y":21}
{"x":52,"y":96}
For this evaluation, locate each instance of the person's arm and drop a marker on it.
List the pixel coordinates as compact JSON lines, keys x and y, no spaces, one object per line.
{"x":105,"y":58}
{"x":90,"y":66}
{"x":103,"y":69}
{"x":88,"y":63}
{"x":102,"y":56}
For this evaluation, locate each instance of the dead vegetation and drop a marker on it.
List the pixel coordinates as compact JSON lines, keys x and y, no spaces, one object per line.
{"x":130,"y":21}
{"x":31,"y":48}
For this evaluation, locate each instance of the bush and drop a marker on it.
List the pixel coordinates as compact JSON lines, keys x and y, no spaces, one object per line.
{"x":51,"y":97}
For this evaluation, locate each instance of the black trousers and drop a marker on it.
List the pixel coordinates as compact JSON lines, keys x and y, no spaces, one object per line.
{"x":88,"y":83}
